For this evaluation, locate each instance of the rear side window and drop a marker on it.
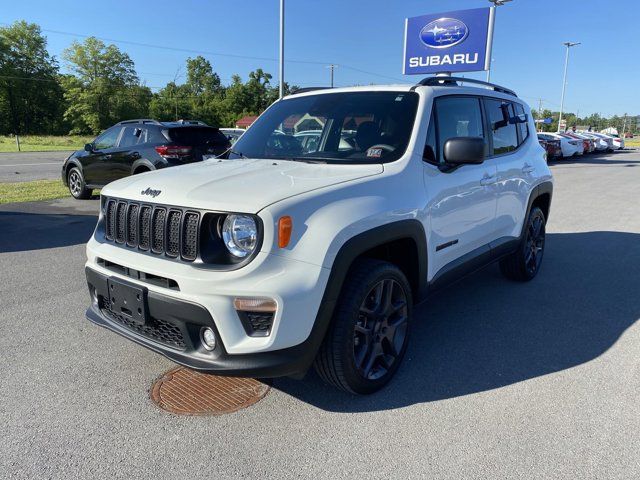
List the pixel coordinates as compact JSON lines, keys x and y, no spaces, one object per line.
{"x":522,"y":126}
{"x":132,"y":136}
{"x":457,"y":117}
{"x":503,"y":131}
{"x":196,"y":136}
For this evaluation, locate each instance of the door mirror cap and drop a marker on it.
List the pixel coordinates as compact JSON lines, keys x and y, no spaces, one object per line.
{"x":464,"y":150}
{"x":88,"y":147}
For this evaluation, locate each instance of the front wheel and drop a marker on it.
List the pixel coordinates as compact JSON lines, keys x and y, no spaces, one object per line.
{"x":523,"y":265}
{"x":370,"y":330}
{"x":77,"y":187}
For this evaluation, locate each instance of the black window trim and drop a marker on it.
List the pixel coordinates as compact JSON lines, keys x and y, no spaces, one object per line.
{"x":443,"y":166}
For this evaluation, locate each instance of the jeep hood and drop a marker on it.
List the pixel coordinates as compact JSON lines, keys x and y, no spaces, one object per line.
{"x":239,"y":185}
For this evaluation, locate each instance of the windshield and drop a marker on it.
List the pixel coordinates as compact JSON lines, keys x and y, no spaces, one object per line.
{"x":349,"y":127}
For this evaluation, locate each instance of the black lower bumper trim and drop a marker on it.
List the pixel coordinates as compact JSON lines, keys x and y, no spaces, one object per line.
{"x":191,"y":318}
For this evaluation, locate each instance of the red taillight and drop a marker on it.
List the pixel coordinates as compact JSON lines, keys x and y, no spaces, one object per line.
{"x":173,"y":151}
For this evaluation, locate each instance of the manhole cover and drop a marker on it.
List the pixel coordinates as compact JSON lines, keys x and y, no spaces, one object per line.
{"x":187,"y":392}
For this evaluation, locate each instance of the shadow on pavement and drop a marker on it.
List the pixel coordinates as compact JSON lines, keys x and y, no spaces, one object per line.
{"x":485,"y":332}
{"x":22,"y":231}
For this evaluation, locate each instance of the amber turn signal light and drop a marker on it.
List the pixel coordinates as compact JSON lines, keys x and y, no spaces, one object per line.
{"x":285,"y":226}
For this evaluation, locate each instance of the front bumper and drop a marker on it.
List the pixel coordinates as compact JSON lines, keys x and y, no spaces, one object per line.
{"x":174,"y":331}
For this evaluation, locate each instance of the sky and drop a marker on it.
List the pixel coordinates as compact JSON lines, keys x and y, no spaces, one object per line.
{"x":364,"y":38}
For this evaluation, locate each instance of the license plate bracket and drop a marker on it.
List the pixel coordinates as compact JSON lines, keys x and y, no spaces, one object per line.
{"x":128,"y":300}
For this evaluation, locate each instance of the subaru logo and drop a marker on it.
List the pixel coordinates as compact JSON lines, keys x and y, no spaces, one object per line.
{"x":444,"y":33}
{"x":150,"y":192}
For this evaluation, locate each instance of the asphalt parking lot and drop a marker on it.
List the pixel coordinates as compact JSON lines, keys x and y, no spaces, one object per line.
{"x":500,"y":380}
{"x":27,"y":166}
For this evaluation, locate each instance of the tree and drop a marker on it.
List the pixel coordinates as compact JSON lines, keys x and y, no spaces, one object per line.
{"x":105,"y":88}
{"x":31,"y":99}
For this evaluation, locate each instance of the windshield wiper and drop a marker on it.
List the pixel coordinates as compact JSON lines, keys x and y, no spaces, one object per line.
{"x":307,"y":160}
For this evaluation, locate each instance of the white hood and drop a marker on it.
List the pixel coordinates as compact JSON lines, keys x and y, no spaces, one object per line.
{"x":239,"y":185}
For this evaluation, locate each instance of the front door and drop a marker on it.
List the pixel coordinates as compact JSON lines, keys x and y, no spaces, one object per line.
{"x":97,"y":165}
{"x":461,"y":201}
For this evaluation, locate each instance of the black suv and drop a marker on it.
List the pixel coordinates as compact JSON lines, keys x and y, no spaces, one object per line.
{"x":136,"y":146}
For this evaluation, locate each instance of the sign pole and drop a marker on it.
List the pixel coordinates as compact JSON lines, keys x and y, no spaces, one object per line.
{"x":281,"y":72}
{"x":492,"y":22}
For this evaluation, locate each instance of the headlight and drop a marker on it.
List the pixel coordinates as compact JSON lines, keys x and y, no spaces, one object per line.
{"x":240,"y":234}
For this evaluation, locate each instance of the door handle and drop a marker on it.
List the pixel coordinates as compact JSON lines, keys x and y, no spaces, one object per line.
{"x":488,"y":179}
{"x":528,"y":168}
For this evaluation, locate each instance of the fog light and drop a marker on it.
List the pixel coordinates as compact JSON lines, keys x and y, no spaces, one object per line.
{"x":208,"y":338}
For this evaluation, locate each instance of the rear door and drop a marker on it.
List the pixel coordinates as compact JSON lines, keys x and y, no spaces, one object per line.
{"x":515,"y":171}
{"x":97,"y":166}
{"x":462,"y":200}
{"x":132,"y":139}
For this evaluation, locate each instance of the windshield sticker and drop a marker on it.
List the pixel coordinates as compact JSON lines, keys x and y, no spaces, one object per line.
{"x":374,"y":153}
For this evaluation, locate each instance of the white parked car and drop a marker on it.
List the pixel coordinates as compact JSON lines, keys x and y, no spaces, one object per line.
{"x":569,"y":146}
{"x":601,"y":143}
{"x":274,"y":259}
{"x":232,"y":134}
{"x":606,"y":139}
{"x":618,"y":142}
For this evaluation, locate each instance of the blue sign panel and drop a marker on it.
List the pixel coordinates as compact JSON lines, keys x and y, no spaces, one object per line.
{"x":447,"y":42}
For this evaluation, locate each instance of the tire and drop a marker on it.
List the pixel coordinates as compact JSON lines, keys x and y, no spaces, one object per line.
{"x":77,"y":187}
{"x":524,"y":264}
{"x":368,"y":337}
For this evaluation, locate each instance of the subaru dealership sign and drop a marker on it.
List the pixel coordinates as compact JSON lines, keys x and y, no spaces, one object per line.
{"x":448,"y":42}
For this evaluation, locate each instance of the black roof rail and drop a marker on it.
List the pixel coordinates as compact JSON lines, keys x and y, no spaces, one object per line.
{"x":308,"y":89}
{"x":140,"y":120}
{"x":443,"y":81}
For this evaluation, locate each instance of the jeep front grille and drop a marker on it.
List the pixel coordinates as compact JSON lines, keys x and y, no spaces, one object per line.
{"x":158,"y":229}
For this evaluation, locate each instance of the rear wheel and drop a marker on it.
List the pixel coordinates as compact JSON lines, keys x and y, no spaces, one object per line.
{"x":77,"y":187}
{"x":370,"y":330}
{"x":524,"y":264}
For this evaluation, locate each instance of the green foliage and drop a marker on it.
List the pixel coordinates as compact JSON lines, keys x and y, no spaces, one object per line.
{"x":105,"y":88}
{"x":30,"y":96}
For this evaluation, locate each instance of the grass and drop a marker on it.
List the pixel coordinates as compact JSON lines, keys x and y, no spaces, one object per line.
{"x":43,"y":143}
{"x":32,"y":191}
{"x":632,"y":142}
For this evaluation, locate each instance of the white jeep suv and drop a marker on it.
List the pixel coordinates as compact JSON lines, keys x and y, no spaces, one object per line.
{"x":278,"y":257}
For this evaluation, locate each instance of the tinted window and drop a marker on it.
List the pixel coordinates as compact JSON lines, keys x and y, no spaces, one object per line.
{"x":522,"y":126}
{"x":132,"y":136}
{"x":198,"y":136}
{"x":351,"y":127}
{"x":108,"y":139}
{"x":503,"y":131}
{"x":457,"y":117}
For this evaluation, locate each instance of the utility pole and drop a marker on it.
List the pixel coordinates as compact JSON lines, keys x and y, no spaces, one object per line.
{"x":564,"y":78}
{"x":492,"y":22}
{"x":331,"y":68}
{"x":281,"y":48}
{"x":624,"y":125}
{"x":540,"y":114}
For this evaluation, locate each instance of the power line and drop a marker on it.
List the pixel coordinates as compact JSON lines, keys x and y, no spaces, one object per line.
{"x":207,"y":52}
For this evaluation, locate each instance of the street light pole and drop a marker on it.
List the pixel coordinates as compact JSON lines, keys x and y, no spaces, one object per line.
{"x":492,"y":22}
{"x":564,"y":78}
{"x":281,"y":73}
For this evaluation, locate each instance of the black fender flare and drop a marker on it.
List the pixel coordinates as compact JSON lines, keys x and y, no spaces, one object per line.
{"x":69,"y":164}
{"x":348,"y":253}
{"x":142,"y":162}
{"x":540,"y":189}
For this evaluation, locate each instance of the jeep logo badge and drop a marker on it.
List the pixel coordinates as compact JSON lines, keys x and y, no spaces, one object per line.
{"x":150,"y":192}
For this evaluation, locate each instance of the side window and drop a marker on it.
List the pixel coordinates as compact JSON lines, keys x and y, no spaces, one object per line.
{"x":457,"y":117}
{"x":133,"y":136}
{"x":505,"y":137}
{"x":108,"y":139}
{"x":522,"y":126}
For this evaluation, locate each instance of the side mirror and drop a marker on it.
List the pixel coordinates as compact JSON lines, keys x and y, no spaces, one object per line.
{"x":464,"y":150}
{"x":88,"y":147}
